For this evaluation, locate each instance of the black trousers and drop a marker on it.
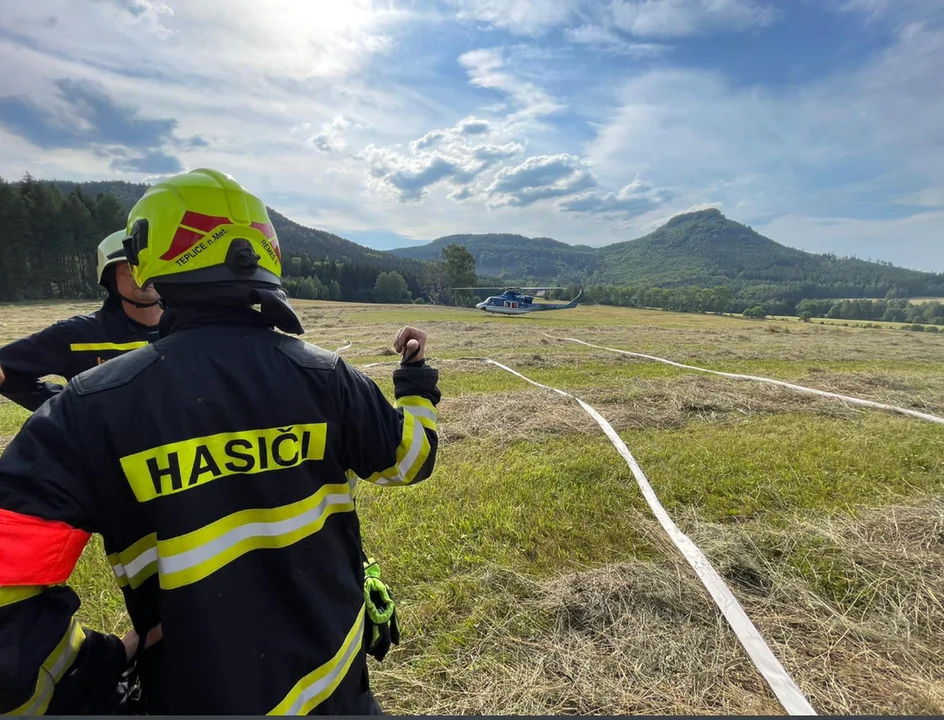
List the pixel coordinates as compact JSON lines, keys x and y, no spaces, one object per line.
{"x":126,"y":700}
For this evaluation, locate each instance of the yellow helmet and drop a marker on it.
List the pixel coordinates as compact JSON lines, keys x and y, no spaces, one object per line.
{"x":111,"y":251}
{"x":201,"y":227}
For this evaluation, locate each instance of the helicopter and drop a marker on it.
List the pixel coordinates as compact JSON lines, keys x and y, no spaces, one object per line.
{"x":514,"y":301}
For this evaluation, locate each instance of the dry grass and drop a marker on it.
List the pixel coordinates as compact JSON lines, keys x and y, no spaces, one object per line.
{"x":644,"y":637}
{"x":535,"y":582}
{"x":534,"y":414}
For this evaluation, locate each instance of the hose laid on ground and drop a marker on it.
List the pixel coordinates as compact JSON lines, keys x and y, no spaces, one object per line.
{"x":777,"y":678}
{"x":780,"y":682}
{"x":755,"y":378}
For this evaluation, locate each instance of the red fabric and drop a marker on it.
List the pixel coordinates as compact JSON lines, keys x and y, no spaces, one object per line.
{"x":34,"y":551}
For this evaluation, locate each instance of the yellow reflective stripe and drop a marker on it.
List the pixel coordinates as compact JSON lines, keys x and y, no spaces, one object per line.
{"x":136,"y":563}
{"x":421,"y":408}
{"x":352,"y":480}
{"x":52,"y":670}
{"x":188,"y":558}
{"x":121,"y":576}
{"x":411,"y":454}
{"x":417,"y":454}
{"x":80,"y":347}
{"x":426,"y":422}
{"x":317,"y":686}
{"x":10,"y":595}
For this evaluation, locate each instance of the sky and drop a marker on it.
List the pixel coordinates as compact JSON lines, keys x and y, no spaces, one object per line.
{"x":819,"y":123}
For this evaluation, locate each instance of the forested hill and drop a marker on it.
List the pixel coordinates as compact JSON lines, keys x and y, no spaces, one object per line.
{"x":51,"y":229}
{"x":295,"y":239}
{"x":515,"y":256}
{"x":701,"y":249}
{"x":707,"y":249}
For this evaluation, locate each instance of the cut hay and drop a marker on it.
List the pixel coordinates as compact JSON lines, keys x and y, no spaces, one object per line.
{"x":642,"y":637}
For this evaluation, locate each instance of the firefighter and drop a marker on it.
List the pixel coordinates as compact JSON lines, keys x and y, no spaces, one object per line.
{"x":128,"y":319}
{"x":219,"y":465}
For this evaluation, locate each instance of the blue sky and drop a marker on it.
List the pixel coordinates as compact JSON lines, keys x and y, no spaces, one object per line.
{"x":818,"y":122}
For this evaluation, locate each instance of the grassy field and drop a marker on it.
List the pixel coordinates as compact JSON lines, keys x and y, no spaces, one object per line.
{"x":842,"y":322}
{"x":534,"y":580}
{"x":919,"y":300}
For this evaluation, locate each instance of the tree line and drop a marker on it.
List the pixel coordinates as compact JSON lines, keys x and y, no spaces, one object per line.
{"x":50,"y":235}
{"x":48,"y":242}
{"x":327,"y":279}
{"x":722,"y":299}
{"x":888,"y":310}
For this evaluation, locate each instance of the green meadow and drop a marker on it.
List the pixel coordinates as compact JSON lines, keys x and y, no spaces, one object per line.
{"x":531,"y":575}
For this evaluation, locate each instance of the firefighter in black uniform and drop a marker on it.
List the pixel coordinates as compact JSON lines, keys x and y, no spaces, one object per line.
{"x":219,"y":464}
{"x":127,"y":320}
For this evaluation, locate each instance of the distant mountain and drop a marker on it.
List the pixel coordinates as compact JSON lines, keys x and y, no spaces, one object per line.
{"x":294,"y":239}
{"x":702,"y":249}
{"x":706,"y":249}
{"x":126,"y":193}
{"x":514,"y":256}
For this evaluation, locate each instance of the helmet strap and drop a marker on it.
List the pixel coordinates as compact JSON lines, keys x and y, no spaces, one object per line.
{"x":137,"y":304}
{"x":111,"y":285}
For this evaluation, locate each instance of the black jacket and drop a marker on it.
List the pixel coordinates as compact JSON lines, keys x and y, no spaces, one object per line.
{"x":67,"y":348}
{"x":219,"y":465}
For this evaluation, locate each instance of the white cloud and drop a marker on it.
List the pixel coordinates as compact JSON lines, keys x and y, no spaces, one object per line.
{"x":683,"y":18}
{"x":248,"y":109}
{"x":428,"y":140}
{"x":689,"y":124}
{"x":497,"y":152}
{"x":607,"y":40}
{"x":524,"y":17}
{"x":846,"y":145}
{"x":540,"y":178}
{"x":486,"y":69}
{"x":442,"y":154}
{"x":332,"y":114}
{"x":331,"y":139}
{"x":875,"y":130}
{"x":927,"y":197}
{"x":896,"y":11}
{"x":473,"y":126}
{"x":408,"y":178}
{"x":147,"y":13}
{"x":634,"y":199}
{"x":244,"y":42}
{"x":466,"y":127}
{"x":587,"y":19}
{"x":902,"y":241}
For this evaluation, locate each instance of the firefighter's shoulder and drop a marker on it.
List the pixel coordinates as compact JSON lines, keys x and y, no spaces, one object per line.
{"x":116,"y":372}
{"x":82,"y":321}
{"x":307,"y":355}
{"x":75,"y":326}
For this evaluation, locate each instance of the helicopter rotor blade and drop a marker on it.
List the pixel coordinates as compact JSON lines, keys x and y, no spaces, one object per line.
{"x":510,"y":287}
{"x":493,"y":287}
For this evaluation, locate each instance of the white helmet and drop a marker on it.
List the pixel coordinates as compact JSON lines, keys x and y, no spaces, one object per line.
{"x":111,"y":251}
